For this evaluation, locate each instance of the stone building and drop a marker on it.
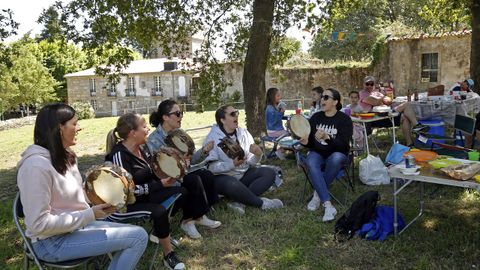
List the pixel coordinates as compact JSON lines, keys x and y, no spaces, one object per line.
{"x":143,"y":85}
{"x":415,"y":62}
{"x":424,"y":61}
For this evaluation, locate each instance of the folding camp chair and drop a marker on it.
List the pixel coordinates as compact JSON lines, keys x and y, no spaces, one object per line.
{"x":29,"y":253}
{"x":463,"y":124}
{"x":275,"y":141}
{"x":140,"y":217}
{"x":344,"y":174}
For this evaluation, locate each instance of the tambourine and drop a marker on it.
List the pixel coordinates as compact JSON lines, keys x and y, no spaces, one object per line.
{"x":298,"y":126}
{"x":231,"y":148}
{"x":109,"y":183}
{"x":169,"y":162}
{"x":181,"y":141}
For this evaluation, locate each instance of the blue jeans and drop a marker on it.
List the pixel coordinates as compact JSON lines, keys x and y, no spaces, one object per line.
{"x":321,"y":180}
{"x":126,"y":242}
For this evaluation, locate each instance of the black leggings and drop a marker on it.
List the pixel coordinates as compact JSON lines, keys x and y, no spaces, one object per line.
{"x":152,"y":203}
{"x":246,"y":190}
{"x":207,"y":180}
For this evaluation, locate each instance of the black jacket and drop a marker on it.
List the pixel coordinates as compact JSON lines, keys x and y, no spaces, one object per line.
{"x":140,"y":169}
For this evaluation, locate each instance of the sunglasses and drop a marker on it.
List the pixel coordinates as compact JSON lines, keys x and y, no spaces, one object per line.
{"x":176,"y":113}
{"x":326,"y":97}
{"x":369,"y":84}
{"x":234,"y":113}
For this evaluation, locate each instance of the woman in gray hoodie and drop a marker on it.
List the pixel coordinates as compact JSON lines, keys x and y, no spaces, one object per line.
{"x":60,"y":223}
{"x":239,"y":179}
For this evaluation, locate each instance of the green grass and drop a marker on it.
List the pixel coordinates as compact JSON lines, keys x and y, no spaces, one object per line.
{"x":446,"y":237}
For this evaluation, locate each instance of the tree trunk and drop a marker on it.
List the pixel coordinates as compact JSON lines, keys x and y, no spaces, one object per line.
{"x":256,"y":64}
{"x":475,"y":51}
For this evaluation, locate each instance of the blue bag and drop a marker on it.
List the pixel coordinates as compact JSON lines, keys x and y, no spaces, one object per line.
{"x":381,"y":225}
{"x":395,"y":155}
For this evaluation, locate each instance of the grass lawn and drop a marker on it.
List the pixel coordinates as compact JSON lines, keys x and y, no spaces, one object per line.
{"x":446,"y":237}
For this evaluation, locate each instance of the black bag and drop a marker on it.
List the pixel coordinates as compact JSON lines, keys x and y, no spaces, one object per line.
{"x":361,"y":211}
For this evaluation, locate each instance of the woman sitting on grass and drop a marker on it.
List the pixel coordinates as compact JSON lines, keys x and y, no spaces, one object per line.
{"x":329,"y":143}
{"x":131,"y":154}
{"x":239,"y":179}
{"x":273,"y":117}
{"x":60,"y":223}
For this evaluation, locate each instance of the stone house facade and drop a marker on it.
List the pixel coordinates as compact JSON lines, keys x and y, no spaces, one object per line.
{"x":143,"y":85}
{"x":425,"y":61}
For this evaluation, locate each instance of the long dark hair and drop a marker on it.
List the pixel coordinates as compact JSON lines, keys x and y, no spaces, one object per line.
{"x":336,"y":96}
{"x":47,"y":134}
{"x":271,"y":93}
{"x":125,"y":124}
{"x":156,"y":118}
{"x":318,"y":89}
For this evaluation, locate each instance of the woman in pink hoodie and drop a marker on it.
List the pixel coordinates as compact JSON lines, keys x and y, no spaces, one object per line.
{"x":60,"y":223}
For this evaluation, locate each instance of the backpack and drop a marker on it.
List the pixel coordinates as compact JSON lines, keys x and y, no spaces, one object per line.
{"x":361,"y":211}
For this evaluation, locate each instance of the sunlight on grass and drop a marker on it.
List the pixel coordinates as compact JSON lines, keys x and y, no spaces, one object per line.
{"x":446,"y":237}
{"x":430,"y":223}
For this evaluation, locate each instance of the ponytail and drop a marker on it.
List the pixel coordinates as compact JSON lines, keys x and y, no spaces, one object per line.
{"x":112,"y":140}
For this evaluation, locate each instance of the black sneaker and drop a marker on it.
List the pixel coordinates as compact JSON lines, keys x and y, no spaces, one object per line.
{"x":171,"y":261}
{"x":419,"y":128}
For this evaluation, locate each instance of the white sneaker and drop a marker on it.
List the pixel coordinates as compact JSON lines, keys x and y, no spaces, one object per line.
{"x":237,"y":207}
{"x":271,"y":204}
{"x":190,"y":229}
{"x":154,"y":239}
{"x":330,"y":213}
{"x":314,"y":203}
{"x":205,"y":221}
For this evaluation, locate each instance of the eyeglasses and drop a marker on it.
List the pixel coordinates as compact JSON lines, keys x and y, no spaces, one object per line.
{"x":234,"y":113}
{"x":369,"y":84}
{"x":326,"y":97}
{"x":176,"y":113}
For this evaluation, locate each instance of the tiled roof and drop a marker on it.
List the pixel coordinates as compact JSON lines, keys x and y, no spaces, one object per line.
{"x":463,"y":32}
{"x":143,"y":66}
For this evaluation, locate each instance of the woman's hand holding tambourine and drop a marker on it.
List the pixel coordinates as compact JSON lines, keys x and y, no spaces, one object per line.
{"x":256,"y":150}
{"x":237,"y":162}
{"x":168,"y":182}
{"x":103,"y":210}
{"x":207,"y":147}
{"x":304,"y":140}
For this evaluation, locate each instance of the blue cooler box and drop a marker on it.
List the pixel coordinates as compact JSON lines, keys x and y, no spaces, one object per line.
{"x":437,"y":127}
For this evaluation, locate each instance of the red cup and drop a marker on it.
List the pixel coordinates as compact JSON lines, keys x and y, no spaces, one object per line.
{"x":298,"y":111}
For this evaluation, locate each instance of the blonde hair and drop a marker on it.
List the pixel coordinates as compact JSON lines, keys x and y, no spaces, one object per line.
{"x":125,"y":124}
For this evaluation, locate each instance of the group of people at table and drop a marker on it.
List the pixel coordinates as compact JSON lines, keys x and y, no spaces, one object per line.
{"x":62,"y":225}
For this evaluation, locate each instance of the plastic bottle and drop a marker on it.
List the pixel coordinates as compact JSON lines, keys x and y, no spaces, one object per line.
{"x":298,"y":110}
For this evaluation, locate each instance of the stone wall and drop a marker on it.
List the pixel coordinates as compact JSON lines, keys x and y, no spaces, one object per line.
{"x":403,"y":61}
{"x":145,"y":99}
{"x":295,"y":83}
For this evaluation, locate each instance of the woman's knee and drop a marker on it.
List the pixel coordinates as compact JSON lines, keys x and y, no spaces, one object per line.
{"x":338,"y":158}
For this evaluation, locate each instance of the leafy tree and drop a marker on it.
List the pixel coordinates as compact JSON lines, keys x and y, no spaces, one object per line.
{"x":32,"y":79}
{"x":53,"y":26}
{"x":61,"y":58}
{"x":8,"y":26}
{"x":149,"y":23}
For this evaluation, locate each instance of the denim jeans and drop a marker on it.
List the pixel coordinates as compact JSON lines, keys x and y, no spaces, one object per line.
{"x":322,"y":171}
{"x":126,"y":242}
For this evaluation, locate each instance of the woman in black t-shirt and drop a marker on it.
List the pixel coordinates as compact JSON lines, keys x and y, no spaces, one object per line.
{"x":329,"y":144}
